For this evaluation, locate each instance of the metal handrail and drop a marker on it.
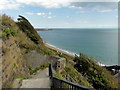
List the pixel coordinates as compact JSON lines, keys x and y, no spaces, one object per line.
{"x":59,"y":83}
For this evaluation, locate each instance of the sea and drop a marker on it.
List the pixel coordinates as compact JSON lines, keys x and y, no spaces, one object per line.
{"x":100,"y":44}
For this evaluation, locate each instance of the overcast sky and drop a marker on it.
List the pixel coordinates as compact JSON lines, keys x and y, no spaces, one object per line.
{"x":64,"y":13}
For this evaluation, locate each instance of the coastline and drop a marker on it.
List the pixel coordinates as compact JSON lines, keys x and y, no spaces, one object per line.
{"x":68,"y":53}
{"x":59,"y":50}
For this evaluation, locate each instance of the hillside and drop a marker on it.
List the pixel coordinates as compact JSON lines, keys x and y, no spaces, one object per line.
{"x":24,"y":53}
{"x":17,"y":43}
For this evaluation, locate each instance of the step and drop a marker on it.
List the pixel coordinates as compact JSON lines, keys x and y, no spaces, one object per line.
{"x":36,"y":83}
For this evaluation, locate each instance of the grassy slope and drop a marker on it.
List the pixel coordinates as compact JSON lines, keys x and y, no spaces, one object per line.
{"x":12,"y":32}
{"x":96,"y":75}
{"x":25,"y":38}
{"x":69,"y":73}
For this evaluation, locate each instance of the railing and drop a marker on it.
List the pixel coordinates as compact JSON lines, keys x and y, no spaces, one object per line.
{"x":62,"y":84}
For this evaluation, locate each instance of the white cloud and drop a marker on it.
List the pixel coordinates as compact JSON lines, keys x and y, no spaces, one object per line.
{"x":39,"y":13}
{"x":15,"y":4}
{"x":9,"y":4}
{"x":30,"y":13}
{"x":81,"y":12}
{"x":43,"y":14}
{"x":96,"y":6}
{"x":46,"y":3}
{"x":50,"y":17}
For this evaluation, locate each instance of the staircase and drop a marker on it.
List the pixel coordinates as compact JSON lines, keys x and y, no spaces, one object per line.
{"x":40,"y":80}
{"x":46,"y":79}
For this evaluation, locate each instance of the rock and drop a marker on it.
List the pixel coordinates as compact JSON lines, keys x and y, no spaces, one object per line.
{"x":60,"y":64}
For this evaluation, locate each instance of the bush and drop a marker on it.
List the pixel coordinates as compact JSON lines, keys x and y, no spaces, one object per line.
{"x":7,"y":31}
{"x":26,"y":27}
{"x":4,"y":34}
{"x":9,"y":27}
{"x":97,"y":75}
{"x":13,"y":31}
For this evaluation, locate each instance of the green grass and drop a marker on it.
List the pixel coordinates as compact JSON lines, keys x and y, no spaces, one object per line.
{"x":69,"y":73}
{"x":10,"y":85}
{"x":22,"y":77}
{"x":9,"y":27}
{"x":76,"y":76}
{"x":58,"y":76}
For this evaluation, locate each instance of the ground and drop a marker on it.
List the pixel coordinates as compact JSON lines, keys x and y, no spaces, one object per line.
{"x":40,"y":80}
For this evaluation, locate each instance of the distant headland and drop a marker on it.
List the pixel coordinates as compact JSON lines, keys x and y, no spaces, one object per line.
{"x":42,"y":29}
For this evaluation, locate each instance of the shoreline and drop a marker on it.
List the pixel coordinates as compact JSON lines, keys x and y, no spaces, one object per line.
{"x":59,"y":50}
{"x":68,"y":53}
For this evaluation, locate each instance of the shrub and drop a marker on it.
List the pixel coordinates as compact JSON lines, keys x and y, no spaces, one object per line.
{"x":13,"y":31}
{"x":9,"y":27}
{"x":4,"y":34}
{"x":26,"y":27}
{"x":97,"y":75}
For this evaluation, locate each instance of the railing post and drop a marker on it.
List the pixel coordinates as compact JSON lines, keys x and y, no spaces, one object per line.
{"x":50,"y":70}
{"x":51,"y":75}
{"x":61,"y":84}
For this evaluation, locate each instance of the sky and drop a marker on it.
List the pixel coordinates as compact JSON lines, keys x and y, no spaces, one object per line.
{"x":64,"y":13}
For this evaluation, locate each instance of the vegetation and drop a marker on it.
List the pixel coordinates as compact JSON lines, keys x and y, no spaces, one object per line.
{"x":30,"y":40}
{"x":69,"y":73}
{"x":26,"y":27}
{"x":85,"y":71}
{"x":9,"y":27}
{"x":99,"y":77}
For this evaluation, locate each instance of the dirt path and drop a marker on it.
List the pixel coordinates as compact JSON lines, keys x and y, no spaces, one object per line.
{"x":40,"y":80}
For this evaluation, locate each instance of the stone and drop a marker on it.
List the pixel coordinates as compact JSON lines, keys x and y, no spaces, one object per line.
{"x":60,"y":64}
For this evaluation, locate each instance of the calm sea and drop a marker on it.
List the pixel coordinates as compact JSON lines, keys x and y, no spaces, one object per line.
{"x":100,"y":44}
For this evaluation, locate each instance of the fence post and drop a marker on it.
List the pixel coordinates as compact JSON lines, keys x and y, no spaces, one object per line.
{"x":50,"y":70}
{"x":51,"y":76}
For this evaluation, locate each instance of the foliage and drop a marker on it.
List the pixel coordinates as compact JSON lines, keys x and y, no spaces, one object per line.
{"x":97,"y":75}
{"x":74,"y":76}
{"x":8,"y":31}
{"x":9,"y":27}
{"x":26,"y":27}
{"x":24,"y":42}
{"x":10,"y":85}
{"x":58,"y":76}
{"x":69,"y":73}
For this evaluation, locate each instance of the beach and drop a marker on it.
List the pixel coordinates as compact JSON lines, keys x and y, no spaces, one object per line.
{"x":67,"y":53}
{"x":58,"y":50}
